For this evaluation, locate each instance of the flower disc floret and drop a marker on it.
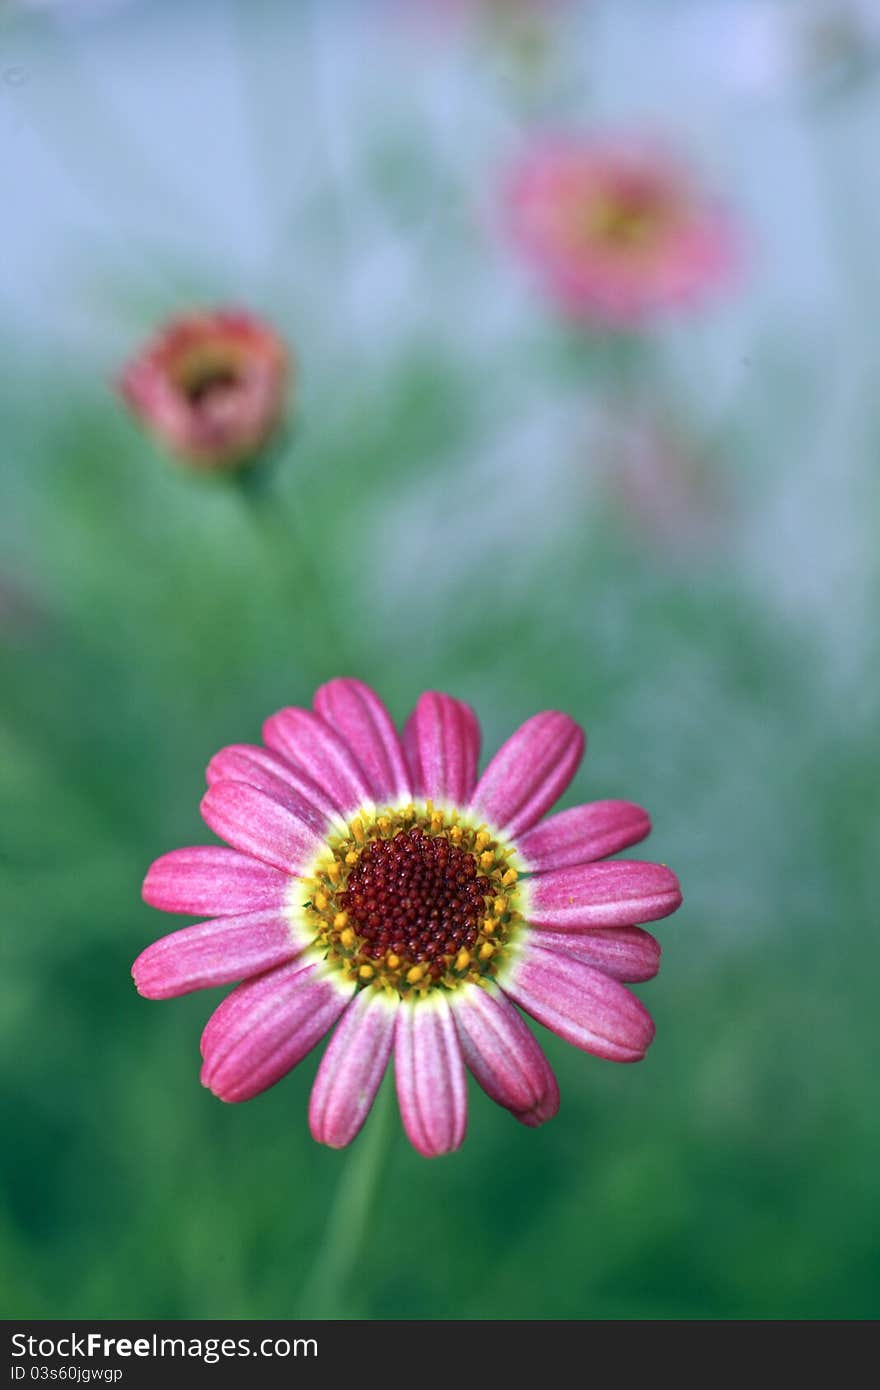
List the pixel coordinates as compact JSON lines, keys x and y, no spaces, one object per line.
{"x":414,"y":899}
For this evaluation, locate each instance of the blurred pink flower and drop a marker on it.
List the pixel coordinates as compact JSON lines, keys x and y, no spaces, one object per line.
{"x":616,"y":231}
{"x":662,"y":478}
{"x":374,"y":882}
{"x":210,"y":386}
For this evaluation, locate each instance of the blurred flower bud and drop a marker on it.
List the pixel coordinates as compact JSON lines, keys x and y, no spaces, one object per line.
{"x":211,"y":387}
{"x":662,"y":478}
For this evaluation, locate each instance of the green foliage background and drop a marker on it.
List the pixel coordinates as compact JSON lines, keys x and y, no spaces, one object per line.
{"x":436,"y":518}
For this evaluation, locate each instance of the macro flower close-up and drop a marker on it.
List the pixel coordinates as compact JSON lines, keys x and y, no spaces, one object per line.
{"x":616,"y":231}
{"x":211,"y":387}
{"x":377,"y":883}
{"x":397,"y":393}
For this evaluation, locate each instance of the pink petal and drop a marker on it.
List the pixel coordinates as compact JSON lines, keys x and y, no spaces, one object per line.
{"x":215,"y":953}
{"x":624,"y":953}
{"x":251,"y":821}
{"x":352,"y":1068}
{"x":503,"y":1055}
{"x":357,"y":713}
{"x":442,"y":740}
{"x":579,"y":1003}
{"x":583,"y":834}
{"x":430,"y":1076}
{"x":243,"y":762}
{"x":617,"y":893}
{"x":529,"y":772}
{"x":265,"y":1026}
{"x":210,"y":878}
{"x":308,"y":742}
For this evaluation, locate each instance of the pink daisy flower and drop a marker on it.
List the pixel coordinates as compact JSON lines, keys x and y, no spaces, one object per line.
{"x":211,"y":387}
{"x":617,"y":232}
{"x":377,"y":884}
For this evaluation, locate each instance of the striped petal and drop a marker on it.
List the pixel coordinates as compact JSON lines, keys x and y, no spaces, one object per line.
{"x":583,"y":834}
{"x":529,"y":772}
{"x":253,"y":822}
{"x":352,"y":1068}
{"x":210,"y":878}
{"x":215,"y":953}
{"x":442,"y":741}
{"x":360,"y":717}
{"x":624,"y":953}
{"x":260,"y":768}
{"x":581,"y":1004}
{"x":430,"y":1077}
{"x":503,"y":1055}
{"x":618,"y":893}
{"x":264,"y":1027}
{"x":307,"y":741}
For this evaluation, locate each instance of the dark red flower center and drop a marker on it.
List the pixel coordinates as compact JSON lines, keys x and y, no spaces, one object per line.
{"x":205,"y":376}
{"x":418,"y":896}
{"x":216,"y":382}
{"x":629,"y":215}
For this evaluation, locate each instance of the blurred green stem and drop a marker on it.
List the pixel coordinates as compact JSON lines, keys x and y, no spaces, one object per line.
{"x":287,"y":538}
{"x":325,"y":1293}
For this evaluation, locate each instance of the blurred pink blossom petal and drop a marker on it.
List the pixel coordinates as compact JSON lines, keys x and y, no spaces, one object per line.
{"x":616,"y":232}
{"x":211,"y":387}
{"x":660,"y":477}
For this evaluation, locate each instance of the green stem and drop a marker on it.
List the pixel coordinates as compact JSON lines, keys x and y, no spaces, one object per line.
{"x":326,"y":1288}
{"x":287,"y":539}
